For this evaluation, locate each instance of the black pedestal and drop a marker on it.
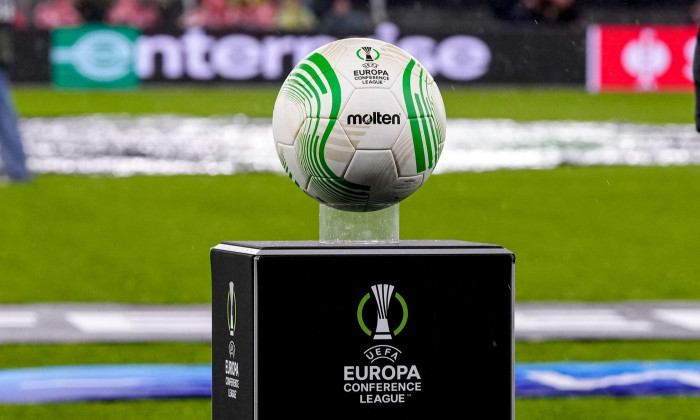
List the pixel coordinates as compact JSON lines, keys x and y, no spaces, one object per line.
{"x":423,"y":329}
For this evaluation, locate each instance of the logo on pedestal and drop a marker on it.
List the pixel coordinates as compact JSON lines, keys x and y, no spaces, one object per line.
{"x":231,"y":311}
{"x":381,"y":379}
{"x":383,"y":294}
{"x":233,"y":381}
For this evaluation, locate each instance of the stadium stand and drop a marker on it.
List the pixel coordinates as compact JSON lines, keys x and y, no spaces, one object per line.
{"x":420,"y":15}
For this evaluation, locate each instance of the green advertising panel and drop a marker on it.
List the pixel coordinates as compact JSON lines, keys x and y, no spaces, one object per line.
{"x":94,"y":56}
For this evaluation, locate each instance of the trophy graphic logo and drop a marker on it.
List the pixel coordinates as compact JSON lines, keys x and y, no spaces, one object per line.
{"x":231,"y":309}
{"x":383,"y":295}
{"x":370,"y":54}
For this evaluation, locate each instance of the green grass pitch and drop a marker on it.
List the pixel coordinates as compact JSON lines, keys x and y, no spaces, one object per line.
{"x":569,"y":409}
{"x":518,"y":104}
{"x":591,"y":234}
{"x":579,"y":233}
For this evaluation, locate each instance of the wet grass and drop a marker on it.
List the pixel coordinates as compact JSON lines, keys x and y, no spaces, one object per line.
{"x":518,"y":104}
{"x":580,"y":234}
{"x":549,"y":409}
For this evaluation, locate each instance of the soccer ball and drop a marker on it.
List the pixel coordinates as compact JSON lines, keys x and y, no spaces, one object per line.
{"x":359,"y":124}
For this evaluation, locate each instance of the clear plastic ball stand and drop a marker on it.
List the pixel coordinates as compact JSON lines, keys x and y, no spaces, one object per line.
{"x":339,"y":227}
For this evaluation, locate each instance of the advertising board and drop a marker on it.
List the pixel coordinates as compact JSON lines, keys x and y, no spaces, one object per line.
{"x":640,"y":58}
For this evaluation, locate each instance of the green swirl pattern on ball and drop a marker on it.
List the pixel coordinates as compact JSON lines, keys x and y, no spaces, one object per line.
{"x":346,"y":164}
{"x":421,"y":107}
{"x":306,"y":86}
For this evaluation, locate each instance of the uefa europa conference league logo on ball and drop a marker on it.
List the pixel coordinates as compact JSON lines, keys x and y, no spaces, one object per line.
{"x":382,"y":380}
{"x":359,"y":124}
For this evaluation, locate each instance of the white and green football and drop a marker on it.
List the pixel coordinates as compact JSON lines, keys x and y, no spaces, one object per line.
{"x":359,"y":124}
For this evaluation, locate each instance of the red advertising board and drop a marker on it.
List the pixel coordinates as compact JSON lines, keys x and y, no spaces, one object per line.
{"x":640,"y":58}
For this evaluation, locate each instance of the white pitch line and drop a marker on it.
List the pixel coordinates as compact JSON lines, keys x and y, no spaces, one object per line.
{"x":192,"y":323}
{"x":140,"y":322}
{"x":168,"y":144}
{"x":577,"y":321}
{"x":18,"y":319}
{"x":685,"y":318}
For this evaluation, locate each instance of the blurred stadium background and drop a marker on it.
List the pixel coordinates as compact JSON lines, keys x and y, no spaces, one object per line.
{"x":570,"y":142}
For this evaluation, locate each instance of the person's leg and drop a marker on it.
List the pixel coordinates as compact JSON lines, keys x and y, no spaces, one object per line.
{"x":11,"y":149}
